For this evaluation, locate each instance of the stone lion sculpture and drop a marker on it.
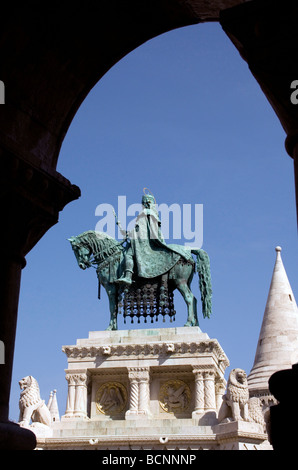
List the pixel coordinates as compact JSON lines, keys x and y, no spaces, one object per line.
{"x":32,"y":407}
{"x":235,"y":402}
{"x":255,"y":412}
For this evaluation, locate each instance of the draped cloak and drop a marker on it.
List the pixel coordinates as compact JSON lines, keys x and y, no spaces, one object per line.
{"x":153,"y":257}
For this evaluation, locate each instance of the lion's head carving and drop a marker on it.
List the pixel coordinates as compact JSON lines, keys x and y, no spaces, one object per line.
{"x":30,"y":394}
{"x":237,"y":387}
{"x":31,"y":405}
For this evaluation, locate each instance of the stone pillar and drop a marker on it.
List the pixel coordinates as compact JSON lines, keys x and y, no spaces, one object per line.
{"x":199,"y":393}
{"x":30,"y":204}
{"x":10,"y":279}
{"x":220,"y":388}
{"x":12,"y":437}
{"x":209,"y":387}
{"x":70,"y":396}
{"x":139,"y":392}
{"x":76,"y":406}
{"x":80,"y":404}
{"x":133,"y":394}
{"x":144,"y":392}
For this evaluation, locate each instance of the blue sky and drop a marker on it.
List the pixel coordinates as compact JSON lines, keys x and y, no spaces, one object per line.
{"x":183,"y":116}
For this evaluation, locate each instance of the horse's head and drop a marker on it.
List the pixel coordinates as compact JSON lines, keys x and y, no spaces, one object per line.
{"x":94,"y":247}
{"x":82,"y":252}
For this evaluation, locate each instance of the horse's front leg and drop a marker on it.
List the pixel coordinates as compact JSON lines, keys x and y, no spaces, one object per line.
{"x":191,"y":302}
{"x":112,"y":294}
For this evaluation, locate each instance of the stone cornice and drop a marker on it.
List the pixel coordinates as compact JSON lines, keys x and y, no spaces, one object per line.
{"x":156,"y":349}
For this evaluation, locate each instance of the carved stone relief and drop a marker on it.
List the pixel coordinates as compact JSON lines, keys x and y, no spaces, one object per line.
{"x":111,"y":398}
{"x":174,"y":396}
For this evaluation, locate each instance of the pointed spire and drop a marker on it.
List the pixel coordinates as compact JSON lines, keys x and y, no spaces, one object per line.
{"x":50,"y":400}
{"x":277,"y":347}
{"x":54,"y":407}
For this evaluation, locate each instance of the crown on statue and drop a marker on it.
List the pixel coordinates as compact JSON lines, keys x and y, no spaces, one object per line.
{"x":148,"y":196}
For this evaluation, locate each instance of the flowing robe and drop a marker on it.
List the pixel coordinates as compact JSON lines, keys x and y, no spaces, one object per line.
{"x":153,"y":257}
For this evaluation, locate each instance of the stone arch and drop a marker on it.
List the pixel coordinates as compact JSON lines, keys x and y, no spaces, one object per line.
{"x":52,"y":54}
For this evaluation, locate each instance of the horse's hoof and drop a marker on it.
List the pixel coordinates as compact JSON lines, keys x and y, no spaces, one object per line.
{"x":191,"y":324}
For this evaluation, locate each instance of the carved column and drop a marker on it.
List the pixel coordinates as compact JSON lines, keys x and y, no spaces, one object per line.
{"x":144,"y":392}
{"x":76,"y":406}
{"x":70,"y":396}
{"x":220,"y":388}
{"x":139,"y":392}
{"x":209,"y":387}
{"x":133,"y":394}
{"x":199,"y":393}
{"x":30,"y":201}
{"x":80,"y":404}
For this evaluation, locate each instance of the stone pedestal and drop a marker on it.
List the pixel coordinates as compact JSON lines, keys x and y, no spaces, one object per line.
{"x":143,"y":389}
{"x":170,"y":372}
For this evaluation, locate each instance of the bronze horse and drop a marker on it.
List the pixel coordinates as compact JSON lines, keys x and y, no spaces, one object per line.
{"x":107,"y":255}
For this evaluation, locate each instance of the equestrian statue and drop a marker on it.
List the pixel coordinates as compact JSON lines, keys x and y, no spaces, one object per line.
{"x":141,"y":272}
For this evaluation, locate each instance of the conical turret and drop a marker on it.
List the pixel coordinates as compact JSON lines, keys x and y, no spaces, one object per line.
{"x":277,"y":347}
{"x":50,"y":401}
{"x":53,"y":406}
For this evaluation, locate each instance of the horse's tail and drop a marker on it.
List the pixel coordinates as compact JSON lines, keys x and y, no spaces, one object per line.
{"x":203,"y":270}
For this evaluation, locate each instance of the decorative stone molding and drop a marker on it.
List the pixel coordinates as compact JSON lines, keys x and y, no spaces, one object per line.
{"x":236,"y":435}
{"x":148,"y":350}
{"x":170,"y":348}
{"x":106,"y":350}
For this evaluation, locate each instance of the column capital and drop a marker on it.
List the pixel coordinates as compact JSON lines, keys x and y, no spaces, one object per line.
{"x":209,"y":374}
{"x":77,"y":377}
{"x":138,"y":373}
{"x":204,"y":370}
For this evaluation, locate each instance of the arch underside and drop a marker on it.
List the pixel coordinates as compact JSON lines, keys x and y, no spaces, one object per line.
{"x":52,"y":56}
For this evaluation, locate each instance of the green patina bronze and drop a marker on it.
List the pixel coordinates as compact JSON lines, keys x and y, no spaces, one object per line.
{"x":141,"y":273}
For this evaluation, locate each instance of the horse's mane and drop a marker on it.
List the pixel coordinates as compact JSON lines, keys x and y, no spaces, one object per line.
{"x":101,"y":244}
